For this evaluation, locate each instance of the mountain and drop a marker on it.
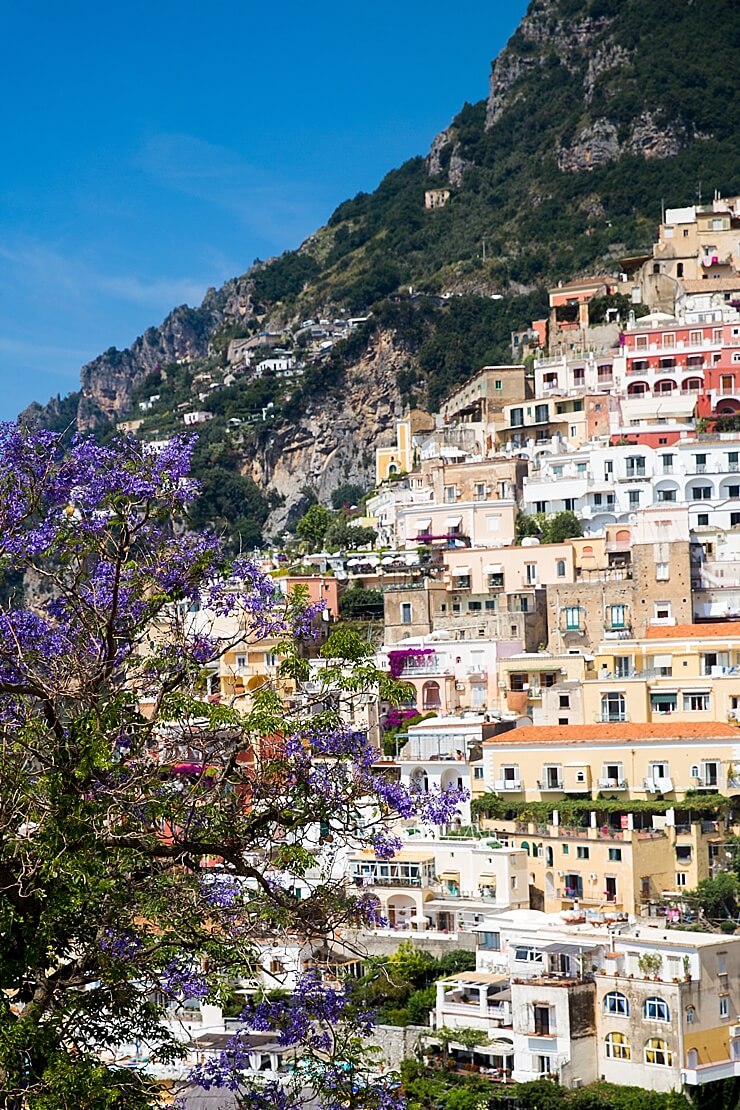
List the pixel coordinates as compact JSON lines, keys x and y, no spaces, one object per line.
{"x":598,"y":111}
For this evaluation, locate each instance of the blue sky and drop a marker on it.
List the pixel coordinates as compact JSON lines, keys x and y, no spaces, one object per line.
{"x":150,"y":150}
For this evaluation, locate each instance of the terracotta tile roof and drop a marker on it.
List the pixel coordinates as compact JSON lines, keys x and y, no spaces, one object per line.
{"x":722,"y":630}
{"x":627,"y":733}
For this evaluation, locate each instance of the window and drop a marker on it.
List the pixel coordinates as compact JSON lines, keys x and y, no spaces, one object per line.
{"x":662,"y":611}
{"x":666,"y":495}
{"x":544,"y":1066}
{"x":700,"y":493}
{"x":480,"y":491}
{"x":696,"y":703}
{"x":733,"y":491}
{"x":664,"y":703}
{"x":667,"y":461}
{"x":523,"y":954}
{"x":406,"y":612}
{"x":622,"y":666}
{"x":617,"y":1047}
{"x":616,"y":616}
{"x":498,"y":385}
{"x":658,"y":772}
{"x":531,"y":573}
{"x":616,"y":1003}
{"x":656,"y":1009}
{"x":572,"y":618}
{"x":615,"y":855}
{"x":681,"y":879}
{"x":613,"y":708}
{"x":724,"y":1007}
{"x":633,"y":498}
{"x":564,"y":701}
{"x":635,"y":466}
{"x":450,"y":494}
{"x":734,"y":520}
{"x":491,"y":942}
{"x":662,"y":572}
{"x":657,"y":1052}
{"x":541,"y":414}
{"x":573,"y":886}
{"x":580,"y":468}
{"x":582,"y":852}
{"x":560,"y":568}
{"x":690,"y":1015}
{"x":612,"y":774}
{"x":700,"y":463}
{"x":569,"y":503}
{"x":517,"y":418}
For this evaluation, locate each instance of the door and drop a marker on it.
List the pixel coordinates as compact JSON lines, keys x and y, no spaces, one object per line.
{"x":542,"y":1021}
{"x":610,"y":886}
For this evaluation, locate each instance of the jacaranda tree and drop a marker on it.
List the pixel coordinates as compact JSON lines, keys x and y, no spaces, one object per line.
{"x":150,"y":839}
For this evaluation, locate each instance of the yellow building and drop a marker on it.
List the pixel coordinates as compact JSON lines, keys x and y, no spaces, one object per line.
{"x":399,"y":458}
{"x":620,"y":759}
{"x":681,"y":674}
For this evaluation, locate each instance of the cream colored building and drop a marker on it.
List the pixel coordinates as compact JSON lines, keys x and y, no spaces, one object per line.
{"x":629,"y":759}
{"x":580,"y":999}
{"x":682,"y":673}
{"x":442,"y":885}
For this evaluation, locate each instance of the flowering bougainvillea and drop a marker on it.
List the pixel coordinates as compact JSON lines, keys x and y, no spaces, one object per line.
{"x":152,"y":839}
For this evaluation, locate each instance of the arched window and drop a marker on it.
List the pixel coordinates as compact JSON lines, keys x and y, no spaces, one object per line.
{"x":613,"y":707}
{"x":656,"y":1009}
{"x":658,"y":1052}
{"x":419,"y":780}
{"x":617,"y":1047}
{"x":560,"y":568}
{"x":690,"y":1015}
{"x":430,"y":695}
{"x":616,"y":1003}
{"x":525,"y":846}
{"x":549,"y":857}
{"x":587,"y":552}
{"x":692,"y":1058}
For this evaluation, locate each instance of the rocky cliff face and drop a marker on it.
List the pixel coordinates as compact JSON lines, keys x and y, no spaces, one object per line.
{"x":587,"y":40}
{"x":335,"y":440}
{"x":109,"y":380}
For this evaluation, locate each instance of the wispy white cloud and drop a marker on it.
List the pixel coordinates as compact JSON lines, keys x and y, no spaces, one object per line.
{"x":276,"y":209}
{"x":46,"y":267}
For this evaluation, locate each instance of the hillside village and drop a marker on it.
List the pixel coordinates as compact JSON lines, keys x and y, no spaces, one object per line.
{"x":555,"y":574}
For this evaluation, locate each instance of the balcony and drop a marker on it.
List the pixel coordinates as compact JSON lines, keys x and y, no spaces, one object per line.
{"x":546,"y":785}
{"x":613,"y":784}
{"x":509,"y":786}
{"x":658,"y":785}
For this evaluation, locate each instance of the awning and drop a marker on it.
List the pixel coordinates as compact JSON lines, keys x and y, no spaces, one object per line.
{"x":424,"y":525}
{"x":453,"y":522}
{"x":493,"y":568}
{"x":662,"y":661}
{"x":450,"y":875}
{"x":460,"y":572}
{"x":666,"y":697}
{"x":488,"y":877}
{"x":565,"y":949}
{"x":496,"y":1048}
